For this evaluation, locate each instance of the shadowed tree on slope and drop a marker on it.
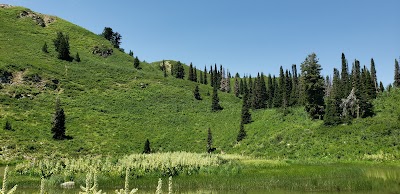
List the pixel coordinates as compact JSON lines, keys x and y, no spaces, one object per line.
{"x":136,"y":63}
{"x":242,"y":133}
{"x":147,"y":149}
{"x":44,"y":48}
{"x":113,"y":37}
{"x":61,"y":44}
{"x":58,"y":123}
{"x":246,"y":115}
{"x":77,"y":58}
{"x":215,"y":101}
{"x":8,"y":126}
{"x":210,"y":148}
{"x":196,"y":93}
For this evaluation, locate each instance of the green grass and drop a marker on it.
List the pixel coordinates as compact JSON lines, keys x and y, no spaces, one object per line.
{"x":108,"y":113}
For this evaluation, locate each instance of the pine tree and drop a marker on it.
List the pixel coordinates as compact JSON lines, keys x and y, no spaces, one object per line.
{"x":332,"y":112}
{"x":356,"y":77}
{"x":241,"y":87}
{"x":45,"y":48}
{"x":8,"y":126}
{"x":212,"y":78}
{"x":242,"y":133}
{"x":366,"y":94}
{"x":215,"y":101}
{"x":164,"y":68}
{"x":313,"y":86}
{"x":195,"y":74}
{"x":246,"y":115}
{"x":282,"y":88}
{"x":61,"y":43}
{"x":196,"y":93}
{"x":295,"y":88}
{"x":396,"y":74}
{"x":58,"y":123}
{"x":205,"y":81}
{"x":381,"y":87}
{"x":147,"y":149}
{"x":130,"y":53}
{"x":201,"y":77}
{"x":190,"y":76}
{"x":178,"y":71}
{"x":263,"y":92}
{"x":373,"y":76}
{"x":210,"y":148}
{"x":345,"y":79}
{"x":228,"y":83}
{"x":237,"y":89}
{"x":277,"y":101}
{"x":136,"y":63}
{"x":270,"y":92}
{"x":77,"y":58}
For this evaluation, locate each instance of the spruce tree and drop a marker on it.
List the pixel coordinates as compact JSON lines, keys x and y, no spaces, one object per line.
{"x":130,"y":53}
{"x":373,"y":76}
{"x":210,"y":148}
{"x":332,"y":112}
{"x":212,"y":79}
{"x":263,"y":92}
{"x":242,"y":133}
{"x":215,"y":101}
{"x":345,"y":79}
{"x":147,"y":149}
{"x":77,"y":58}
{"x":205,"y":81}
{"x":396,"y":74}
{"x":356,"y":77}
{"x":196,"y":93}
{"x":246,"y":115}
{"x":194,"y":74}
{"x":190,"y":75}
{"x":241,"y":87}
{"x":228,"y":83}
{"x":45,"y":48}
{"x":381,"y":87}
{"x":136,"y":63}
{"x":8,"y":126}
{"x":277,"y":100}
{"x":61,"y":44}
{"x":313,"y":86}
{"x":58,"y":122}
{"x":270,"y":92}
{"x":201,"y":77}
{"x":236,"y":89}
{"x":295,"y":88}
{"x":178,"y":70}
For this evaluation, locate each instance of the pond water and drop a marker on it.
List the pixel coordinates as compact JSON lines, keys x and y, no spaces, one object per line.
{"x":376,"y":180}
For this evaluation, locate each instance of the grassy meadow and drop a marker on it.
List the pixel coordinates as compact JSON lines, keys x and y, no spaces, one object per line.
{"x":112,"y":108}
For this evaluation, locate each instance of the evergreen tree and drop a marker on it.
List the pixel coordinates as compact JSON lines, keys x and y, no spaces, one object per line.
{"x":8,"y":126}
{"x":277,"y":101}
{"x":242,"y":133}
{"x":212,"y":78}
{"x":164,"y":68}
{"x":332,"y":112}
{"x":345,"y":79}
{"x":215,"y":101}
{"x":216,"y":74}
{"x":61,"y":43}
{"x":44,"y":48}
{"x":295,"y":88}
{"x":196,"y":93}
{"x":286,"y":89}
{"x":136,"y":63}
{"x":313,"y":86}
{"x":191,"y":76}
{"x":201,"y":77}
{"x":228,"y":83}
{"x":178,"y":70}
{"x":282,"y":88}
{"x":113,"y":37}
{"x":241,"y":87}
{"x":210,"y":148}
{"x":373,"y":76}
{"x":356,"y":77}
{"x":366,"y":94}
{"x":130,"y":53}
{"x":246,"y":115}
{"x":270,"y":92}
{"x":396,"y":74}
{"x":381,"y":87}
{"x":147,"y":149}
{"x":77,"y":58}
{"x":263,"y":92}
{"x":195,"y":74}
{"x":58,"y":123}
{"x":237,"y":89}
{"x":205,"y":81}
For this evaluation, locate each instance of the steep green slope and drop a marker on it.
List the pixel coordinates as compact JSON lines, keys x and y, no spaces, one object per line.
{"x":112,"y":108}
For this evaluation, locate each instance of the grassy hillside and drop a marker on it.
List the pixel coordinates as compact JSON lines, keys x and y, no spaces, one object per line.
{"x":109,"y":112}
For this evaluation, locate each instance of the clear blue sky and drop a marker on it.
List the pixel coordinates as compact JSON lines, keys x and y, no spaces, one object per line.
{"x":246,"y":36}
